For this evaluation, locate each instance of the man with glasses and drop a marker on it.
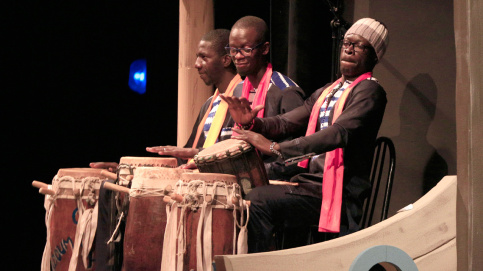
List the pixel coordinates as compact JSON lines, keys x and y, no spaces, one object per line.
{"x":341,"y":121}
{"x":249,"y":48}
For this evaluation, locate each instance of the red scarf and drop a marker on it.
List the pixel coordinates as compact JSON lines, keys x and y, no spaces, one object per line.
{"x":334,"y":162}
{"x":262,"y":90}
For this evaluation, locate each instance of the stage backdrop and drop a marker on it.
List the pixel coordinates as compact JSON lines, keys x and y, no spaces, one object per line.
{"x":66,"y":102}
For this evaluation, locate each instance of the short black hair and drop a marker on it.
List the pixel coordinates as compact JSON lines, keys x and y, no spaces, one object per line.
{"x":219,"y":39}
{"x":254,"y":22}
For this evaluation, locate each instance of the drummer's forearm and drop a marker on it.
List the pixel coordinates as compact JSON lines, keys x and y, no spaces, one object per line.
{"x":275,"y":128}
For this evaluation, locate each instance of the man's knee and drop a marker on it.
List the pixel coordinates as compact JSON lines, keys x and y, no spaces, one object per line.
{"x":264,"y":193}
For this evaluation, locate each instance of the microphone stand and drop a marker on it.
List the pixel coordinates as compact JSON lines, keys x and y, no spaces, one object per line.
{"x":337,"y":25}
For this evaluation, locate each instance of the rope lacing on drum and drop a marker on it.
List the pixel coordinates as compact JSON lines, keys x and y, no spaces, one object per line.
{"x":192,"y":196}
{"x":196,"y":195}
{"x":120,"y":180}
{"x":85,"y":183}
{"x":48,"y":203}
{"x":122,"y":204}
{"x":143,"y":190}
{"x":204,"y":230}
{"x":146,"y":192}
{"x":180,"y":231}
{"x":235,"y":200}
{"x":84,"y":238}
{"x":191,"y":199}
{"x":87,"y":223}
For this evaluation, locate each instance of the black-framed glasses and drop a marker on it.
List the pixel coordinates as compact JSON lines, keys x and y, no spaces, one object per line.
{"x":232,"y":51}
{"x":346,"y":44}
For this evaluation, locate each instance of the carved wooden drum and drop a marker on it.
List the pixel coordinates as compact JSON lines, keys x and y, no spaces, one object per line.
{"x":114,"y":207}
{"x":208,"y":221}
{"x":71,"y":219}
{"x":128,"y":164}
{"x":236,"y":157}
{"x":146,"y":221}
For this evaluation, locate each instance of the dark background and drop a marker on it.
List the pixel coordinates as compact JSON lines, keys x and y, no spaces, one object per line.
{"x":65,"y":98}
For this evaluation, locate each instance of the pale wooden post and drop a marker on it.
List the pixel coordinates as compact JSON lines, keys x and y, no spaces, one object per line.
{"x":195,"y":19}
{"x":468,"y":25}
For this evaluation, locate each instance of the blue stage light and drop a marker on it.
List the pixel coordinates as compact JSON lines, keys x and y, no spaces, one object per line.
{"x":137,"y":76}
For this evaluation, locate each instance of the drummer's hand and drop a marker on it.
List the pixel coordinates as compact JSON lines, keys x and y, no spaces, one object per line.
{"x":183,"y":153}
{"x":240,"y":109}
{"x":257,"y":140}
{"x":188,"y":166}
{"x":111,"y":166}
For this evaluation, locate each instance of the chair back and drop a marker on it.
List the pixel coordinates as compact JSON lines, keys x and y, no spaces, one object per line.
{"x":382,"y":177}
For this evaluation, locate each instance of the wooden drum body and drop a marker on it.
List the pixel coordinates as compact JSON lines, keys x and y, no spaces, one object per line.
{"x":146,"y":221}
{"x":114,"y":208}
{"x":71,"y":219}
{"x":236,"y":157}
{"x":208,"y":216}
{"x":127,"y":167}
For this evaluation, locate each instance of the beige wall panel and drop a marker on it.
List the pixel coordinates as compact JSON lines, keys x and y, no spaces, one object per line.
{"x":195,"y":19}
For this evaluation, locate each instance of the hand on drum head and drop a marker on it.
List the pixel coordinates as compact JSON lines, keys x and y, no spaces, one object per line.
{"x":240,"y":109}
{"x":111,"y":166}
{"x":257,"y":140}
{"x":183,"y":153}
{"x":189,"y":166}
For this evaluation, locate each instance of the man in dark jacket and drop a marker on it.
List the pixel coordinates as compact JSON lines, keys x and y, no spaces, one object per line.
{"x":216,"y":68}
{"x":341,"y":122}
{"x":248,"y":48}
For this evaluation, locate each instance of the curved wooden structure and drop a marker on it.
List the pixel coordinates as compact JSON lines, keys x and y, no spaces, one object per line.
{"x":427,"y":233}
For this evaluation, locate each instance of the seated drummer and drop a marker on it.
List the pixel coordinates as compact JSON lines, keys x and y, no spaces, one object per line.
{"x":213,"y":123}
{"x":341,"y":121}
{"x":249,"y":48}
{"x":214,"y":67}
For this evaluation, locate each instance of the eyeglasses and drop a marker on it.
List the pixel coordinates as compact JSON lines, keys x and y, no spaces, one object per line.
{"x":232,"y":51}
{"x":357,"y":47}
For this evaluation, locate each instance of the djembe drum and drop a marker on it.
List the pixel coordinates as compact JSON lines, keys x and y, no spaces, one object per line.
{"x":146,"y":222}
{"x":114,"y":206}
{"x":128,"y":164}
{"x":209,"y":217}
{"x":236,"y":157}
{"x":71,"y":217}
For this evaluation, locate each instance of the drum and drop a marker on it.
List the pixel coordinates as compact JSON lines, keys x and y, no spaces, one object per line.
{"x":206,"y":223}
{"x":128,"y":164}
{"x":146,"y":222}
{"x":113,"y":210}
{"x":236,"y":157}
{"x":71,"y":217}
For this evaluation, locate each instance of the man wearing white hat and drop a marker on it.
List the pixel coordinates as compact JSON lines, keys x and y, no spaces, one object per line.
{"x":341,"y":121}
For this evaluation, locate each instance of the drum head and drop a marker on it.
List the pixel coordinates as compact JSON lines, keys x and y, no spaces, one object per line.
{"x":209,"y":177}
{"x":222,"y":150}
{"x":68,"y":181}
{"x":149,"y":161}
{"x":79,"y":173}
{"x":156,"y":177}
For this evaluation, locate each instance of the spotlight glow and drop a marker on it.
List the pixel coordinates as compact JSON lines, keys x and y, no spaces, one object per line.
{"x":137,"y":76}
